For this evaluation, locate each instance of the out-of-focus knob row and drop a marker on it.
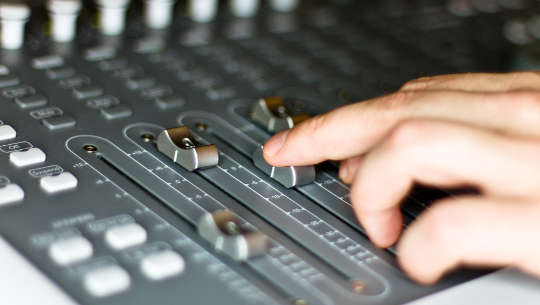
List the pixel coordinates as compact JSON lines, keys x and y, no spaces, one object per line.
{"x":205,"y":10}
{"x":158,"y":14}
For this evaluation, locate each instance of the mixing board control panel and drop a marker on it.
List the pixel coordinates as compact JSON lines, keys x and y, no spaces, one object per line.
{"x":131,"y":168}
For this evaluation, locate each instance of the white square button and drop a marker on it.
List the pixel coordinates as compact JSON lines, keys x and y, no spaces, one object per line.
{"x":54,"y":184}
{"x":125,"y":236}
{"x":70,"y":250}
{"x":106,"y":281}
{"x":162,"y":265}
{"x":27,"y":157}
{"x":7,"y":133}
{"x":11,"y":193}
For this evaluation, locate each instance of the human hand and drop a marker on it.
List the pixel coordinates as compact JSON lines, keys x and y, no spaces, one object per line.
{"x":480,"y":130}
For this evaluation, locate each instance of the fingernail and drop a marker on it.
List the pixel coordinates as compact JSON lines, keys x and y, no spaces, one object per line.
{"x":273,"y":146}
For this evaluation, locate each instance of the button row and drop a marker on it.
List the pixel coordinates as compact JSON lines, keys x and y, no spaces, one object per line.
{"x":112,"y":279}
{"x":81,"y":88}
{"x":213,"y":87}
{"x":136,"y":80}
{"x":26,"y":98}
{"x":65,"y":181}
{"x":22,"y":158}
{"x":72,"y":250}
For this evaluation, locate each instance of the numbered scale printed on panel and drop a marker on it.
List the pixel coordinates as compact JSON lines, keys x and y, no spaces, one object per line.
{"x":132,"y":135}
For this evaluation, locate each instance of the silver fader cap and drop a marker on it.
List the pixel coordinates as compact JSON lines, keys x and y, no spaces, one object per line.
{"x":223,"y":230}
{"x":178,"y":144}
{"x":13,"y":17}
{"x":289,"y":176}
{"x":273,"y":115}
{"x":63,"y":15}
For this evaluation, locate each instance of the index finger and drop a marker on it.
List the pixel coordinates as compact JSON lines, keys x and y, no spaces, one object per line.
{"x":354,"y":129}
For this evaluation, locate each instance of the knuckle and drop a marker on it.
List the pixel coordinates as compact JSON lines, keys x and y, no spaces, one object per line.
{"x":442,"y":222}
{"x":408,"y":133}
{"x":315,"y":125}
{"x":525,"y":105}
{"x":421,"y":83}
{"x":392,"y":106}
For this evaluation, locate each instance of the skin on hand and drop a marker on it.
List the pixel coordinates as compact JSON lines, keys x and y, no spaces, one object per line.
{"x":480,"y":130}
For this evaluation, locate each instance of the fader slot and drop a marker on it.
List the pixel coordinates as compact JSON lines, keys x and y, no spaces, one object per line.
{"x":314,"y":286}
{"x":314,"y":228}
{"x":343,"y":281}
{"x":240,"y":179}
{"x":326,"y":190}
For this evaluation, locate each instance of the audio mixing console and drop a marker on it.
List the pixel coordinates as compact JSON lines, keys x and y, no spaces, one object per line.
{"x":131,"y":169}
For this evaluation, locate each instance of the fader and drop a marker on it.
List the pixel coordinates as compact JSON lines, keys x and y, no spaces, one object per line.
{"x":182,"y":148}
{"x":131,"y":134}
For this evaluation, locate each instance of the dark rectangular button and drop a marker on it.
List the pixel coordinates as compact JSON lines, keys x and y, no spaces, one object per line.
{"x":74,"y":81}
{"x":138,"y":83}
{"x":19,"y":91}
{"x":60,"y":73}
{"x":102,"y":102}
{"x":47,"y":62}
{"x":169,"y":102}
{"x":116,"y":112}
{"x":87,"y":92}
{"x":59,"y":122}
{"x":8,"y":81}
{"x":32,"y":101}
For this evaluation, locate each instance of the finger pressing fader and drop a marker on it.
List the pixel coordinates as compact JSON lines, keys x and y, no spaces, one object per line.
{"x":273,"y":115}
{"x":179,"y":145}
{"x":288,"y":176}
{"x":224,"y":231}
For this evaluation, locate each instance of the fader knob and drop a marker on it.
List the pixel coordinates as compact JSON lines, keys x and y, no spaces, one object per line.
{"x":244,"y":8}
{"x":63,"y":14}
{"x":203,"y":10}
{"x":112,"y":16}
{"x":284,"y":5}
{"x":158,"y":14}
{"x":13,"y":17}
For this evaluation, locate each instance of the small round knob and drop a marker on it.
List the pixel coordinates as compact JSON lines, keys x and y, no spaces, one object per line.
{"x":63,"y":15}
{"x":158,"y":14}
{"x":284,"y":5}
{"x":244,"y":8}
{"x":13,"y":17}
{"x":203,"y":10}
{"x":112,"y":16}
